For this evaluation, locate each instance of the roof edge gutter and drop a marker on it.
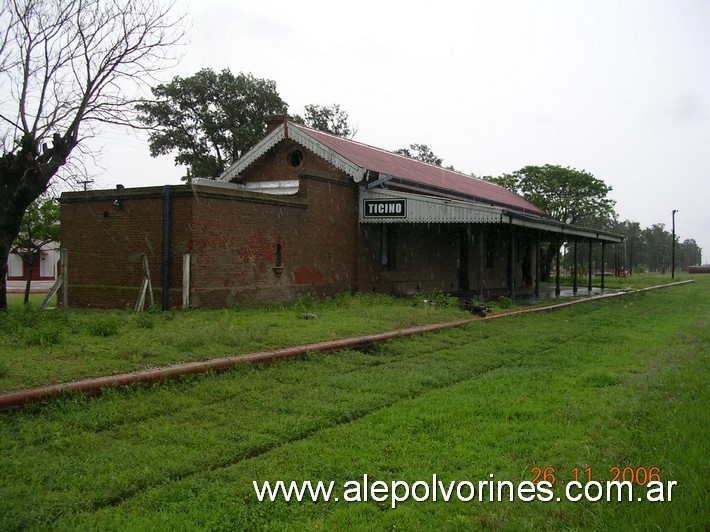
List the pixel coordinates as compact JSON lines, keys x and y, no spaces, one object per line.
{"x":553,"y":226}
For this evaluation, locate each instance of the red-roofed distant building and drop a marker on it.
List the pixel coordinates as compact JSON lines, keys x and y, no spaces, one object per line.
{"x":307,"y":212}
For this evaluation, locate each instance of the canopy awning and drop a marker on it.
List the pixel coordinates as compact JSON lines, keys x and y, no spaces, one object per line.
{"x":391,"y":206}
{"x":385,"y":206}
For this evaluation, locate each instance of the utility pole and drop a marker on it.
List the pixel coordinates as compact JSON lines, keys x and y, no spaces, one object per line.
{"x":85,"y":183}
{"x":673,"y":247}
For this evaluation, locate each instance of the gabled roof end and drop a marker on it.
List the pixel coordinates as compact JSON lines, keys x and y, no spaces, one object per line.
{"x":291,"y":131}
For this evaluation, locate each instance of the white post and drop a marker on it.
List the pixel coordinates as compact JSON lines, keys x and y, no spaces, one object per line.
{"x":64,"y":257}
{"x":146,"y":274}
{"x":186,"y":281}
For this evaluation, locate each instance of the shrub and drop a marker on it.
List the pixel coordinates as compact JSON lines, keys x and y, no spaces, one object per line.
{"x":504,"y":302}
{"x":145,"y":320}
{"x":435,"y":298}
{"x":344,"y":300}
{"x":47,"y":334}
{"x":104,"y":326}
{"x":306,"y":301}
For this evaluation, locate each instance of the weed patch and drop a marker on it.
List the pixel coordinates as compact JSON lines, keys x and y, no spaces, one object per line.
{"x":146,"y":320}
{"x":435,"y":298}
{"x":104,"y":325}
{"x":46,"y":335}
{"x":504,"y":302}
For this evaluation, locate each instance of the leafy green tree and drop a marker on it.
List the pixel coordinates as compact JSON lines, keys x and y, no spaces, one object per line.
{"x":40,"y":226}
{"x":331,"y":119}
{"x":68,"y":67}
{"x":658,"y":247}
{"x":633,"y":251}
{"x":689,"y":253}
{"x":421,"y":152}
{"x":565,"y":194}
{"x":649,"y":249}
{"x":209,"y":119}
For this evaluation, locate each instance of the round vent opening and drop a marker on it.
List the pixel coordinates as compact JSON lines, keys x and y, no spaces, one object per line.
{"x":295,"y":158}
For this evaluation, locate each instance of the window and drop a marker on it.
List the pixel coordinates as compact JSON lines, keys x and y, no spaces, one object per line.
{"x":277,"y":257}
{"x":278,"y":260}
{"x":387,"y":246}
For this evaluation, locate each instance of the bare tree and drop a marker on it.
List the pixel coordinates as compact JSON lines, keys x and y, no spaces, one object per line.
{"x":66,"y":67}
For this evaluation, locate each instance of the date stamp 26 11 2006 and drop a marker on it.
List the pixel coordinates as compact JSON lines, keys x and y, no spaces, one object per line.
{"x":622,"y":479}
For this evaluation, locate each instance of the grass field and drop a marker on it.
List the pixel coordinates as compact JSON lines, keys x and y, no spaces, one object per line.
{"x":48,"y":347}
{"x":614,"y":383}
{"x":15,"y":300}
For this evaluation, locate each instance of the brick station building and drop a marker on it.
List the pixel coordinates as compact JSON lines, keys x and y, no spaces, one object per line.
{"x":306,"y":212}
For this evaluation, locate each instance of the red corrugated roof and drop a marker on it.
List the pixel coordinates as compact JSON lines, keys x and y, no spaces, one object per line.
{"x":414,"y":171}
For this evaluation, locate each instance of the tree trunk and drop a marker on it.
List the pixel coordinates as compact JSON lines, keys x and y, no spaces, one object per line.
{"x":548,"y":255}
{"x":28,"y":284}
{"x":10,"y":220}
{"x":24,"y":177}
{"x":4,"y":258}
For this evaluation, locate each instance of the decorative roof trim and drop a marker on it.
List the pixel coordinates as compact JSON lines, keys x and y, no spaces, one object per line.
{"x":304,"y":139}
{"x":264,"y":145}
{"x":354,"y":170}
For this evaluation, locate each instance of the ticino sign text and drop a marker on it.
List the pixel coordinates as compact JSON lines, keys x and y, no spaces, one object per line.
{"x":395,"y":208}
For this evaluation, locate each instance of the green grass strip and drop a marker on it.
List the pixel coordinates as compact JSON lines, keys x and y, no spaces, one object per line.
{"x":619,"y":382}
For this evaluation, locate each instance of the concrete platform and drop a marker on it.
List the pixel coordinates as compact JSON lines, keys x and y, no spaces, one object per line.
{"x":548,"y":291}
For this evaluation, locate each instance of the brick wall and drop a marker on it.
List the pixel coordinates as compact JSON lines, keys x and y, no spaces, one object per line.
{"x":234,"y":245}
{"x":232,"y":238}
{"x":105,"y":244}
{"x":235,"y":239}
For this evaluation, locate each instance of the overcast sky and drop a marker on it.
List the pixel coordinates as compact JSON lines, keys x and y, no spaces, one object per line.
{"x":618,"y":88}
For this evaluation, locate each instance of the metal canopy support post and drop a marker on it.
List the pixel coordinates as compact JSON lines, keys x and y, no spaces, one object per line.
{"x":673,"y":247}
{"x":602,"y":285}
{"x":574,"y":268}
{"x":481,"y":260}
{"x":511,"y":264}
{"x":464,"y":244}
{"x":557,"y":272}
{"x":589,"y":269}
{"x":537,"y":267}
